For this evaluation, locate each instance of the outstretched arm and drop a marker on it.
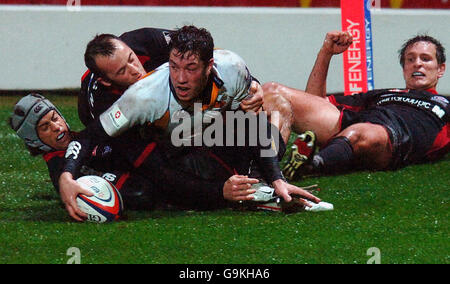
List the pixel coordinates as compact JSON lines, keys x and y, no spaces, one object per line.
{"x":335,"y":42}
{"x":76,"y":155}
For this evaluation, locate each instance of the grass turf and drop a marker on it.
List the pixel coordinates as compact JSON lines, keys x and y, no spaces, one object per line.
{"x":404,"y":214}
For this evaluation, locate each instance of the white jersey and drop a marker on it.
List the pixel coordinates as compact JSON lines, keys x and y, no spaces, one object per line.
{"x":151,"y":99}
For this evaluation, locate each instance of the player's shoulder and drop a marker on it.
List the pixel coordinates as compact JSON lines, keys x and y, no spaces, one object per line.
{"x":431,"y":95}
{"x":386,"y":91}
{"x":144,"y":33}
{"x":230,"y":67}
{"x":155,"y":79}
{"x":152,"y":89}
{"x":224,"y":59}
{"x":441,"y":99}
{"x":148,"y":42}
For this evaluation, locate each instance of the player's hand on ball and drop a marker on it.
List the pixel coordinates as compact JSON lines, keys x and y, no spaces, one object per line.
{"x":337,"y":42}
{"x":69,"y":190}
{"x":238,"y":188}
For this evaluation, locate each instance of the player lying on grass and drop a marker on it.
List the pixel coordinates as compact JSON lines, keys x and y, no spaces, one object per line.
{"x":218,"y":80}
{"x":45,"y":132}
{"x":377,"y":130}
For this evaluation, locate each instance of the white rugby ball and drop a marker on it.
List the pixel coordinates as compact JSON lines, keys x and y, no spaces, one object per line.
{"x":105,"y":205}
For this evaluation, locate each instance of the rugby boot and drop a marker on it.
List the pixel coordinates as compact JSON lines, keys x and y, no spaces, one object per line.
{"x":303,"y":148}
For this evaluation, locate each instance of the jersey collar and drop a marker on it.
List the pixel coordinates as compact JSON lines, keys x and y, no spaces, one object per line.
{"x":432,"y":90}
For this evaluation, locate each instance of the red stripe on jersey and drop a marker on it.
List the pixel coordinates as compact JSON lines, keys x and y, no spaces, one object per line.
{"x":332,"y":99}
{"x":85,"y":75}
{"x":123,"y":178}
{"x":353,"y":108}
{"x":433,"y":91}
{"x":441,"y":144}
{"x":47,"y":157}
{"x":341,"y":117}
{"x":147,"y":151}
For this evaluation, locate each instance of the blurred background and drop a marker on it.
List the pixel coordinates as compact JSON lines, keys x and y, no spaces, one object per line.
{"x":43,"y":42}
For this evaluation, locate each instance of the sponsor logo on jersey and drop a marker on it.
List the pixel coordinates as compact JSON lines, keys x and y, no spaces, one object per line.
{"x":117,"y":118}
{"x":73,"y":149}
{"x":401,"y":99}
{"x":438,"y":111}
{"x":440,"y":99}
{"x":435,"y":109}
{"x":109,"y":177}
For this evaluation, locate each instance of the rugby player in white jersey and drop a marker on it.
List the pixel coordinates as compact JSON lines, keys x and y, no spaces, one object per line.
{"x":218,"y":80}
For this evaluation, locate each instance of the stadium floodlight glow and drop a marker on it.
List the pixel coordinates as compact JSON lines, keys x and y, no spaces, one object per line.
{"x":358,"y":59}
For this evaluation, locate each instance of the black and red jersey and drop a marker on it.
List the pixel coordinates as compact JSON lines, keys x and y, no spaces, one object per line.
{"x":418,"y":122}
{"x":101,"y":160}
{"x":151,"y":48}
{"x":147,"y":176}
{"x":137,"y":191}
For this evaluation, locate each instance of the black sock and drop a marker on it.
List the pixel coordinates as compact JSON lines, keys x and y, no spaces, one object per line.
{"x":337,"y":156}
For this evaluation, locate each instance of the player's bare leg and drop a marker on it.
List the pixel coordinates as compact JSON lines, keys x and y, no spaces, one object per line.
{"x":371,"y":145}
{"x":305,"y":111}
{"x":279,"y":110}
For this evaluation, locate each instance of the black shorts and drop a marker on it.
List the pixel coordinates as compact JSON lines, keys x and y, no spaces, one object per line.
{"x":411,"y":132}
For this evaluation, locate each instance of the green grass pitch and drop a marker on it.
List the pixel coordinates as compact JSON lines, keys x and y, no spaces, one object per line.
{"x":403,"y":214}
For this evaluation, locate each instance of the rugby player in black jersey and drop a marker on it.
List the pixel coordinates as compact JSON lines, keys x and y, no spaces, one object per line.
{"x":378,"y":130}
{"x":137,"y":52}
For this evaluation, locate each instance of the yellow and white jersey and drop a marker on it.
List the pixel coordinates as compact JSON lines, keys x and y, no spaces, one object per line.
{"x":152,"y":100}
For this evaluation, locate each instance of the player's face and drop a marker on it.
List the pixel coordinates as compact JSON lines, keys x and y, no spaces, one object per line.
{"x":421,"y":70}
{"x":122,"y":68}
{"x":53,"y":131}
{"x":188,"y":74}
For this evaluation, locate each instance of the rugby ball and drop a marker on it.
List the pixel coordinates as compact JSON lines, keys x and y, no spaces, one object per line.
{"x":105,"y":205}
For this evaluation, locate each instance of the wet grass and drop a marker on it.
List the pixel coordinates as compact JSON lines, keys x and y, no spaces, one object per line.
{"x":404,"y":214}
